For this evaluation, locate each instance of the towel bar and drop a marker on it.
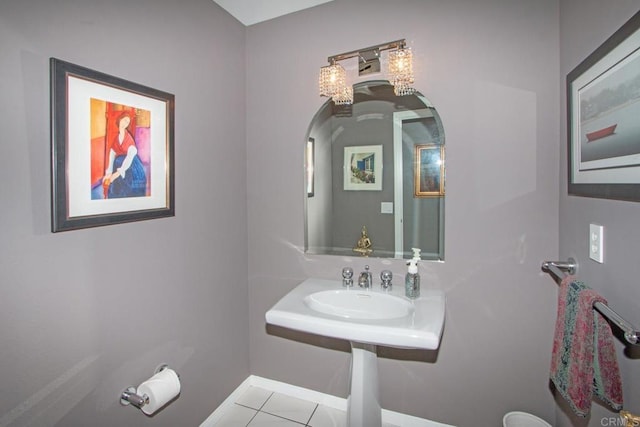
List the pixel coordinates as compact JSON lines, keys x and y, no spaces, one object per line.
{"x":560,"y":269}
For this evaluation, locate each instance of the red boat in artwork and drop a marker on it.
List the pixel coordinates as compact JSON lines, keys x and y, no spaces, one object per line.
{"x":601,"y":133}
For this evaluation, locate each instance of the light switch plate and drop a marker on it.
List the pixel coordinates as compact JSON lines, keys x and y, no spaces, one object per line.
{"x":386,"y":207}
{"x":596,"y":243}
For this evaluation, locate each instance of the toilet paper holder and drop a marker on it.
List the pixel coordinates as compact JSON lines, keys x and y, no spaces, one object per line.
{"x":130,"y":396}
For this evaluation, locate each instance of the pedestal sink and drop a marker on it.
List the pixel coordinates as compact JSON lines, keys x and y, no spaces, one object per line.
{"x":366,"y":318}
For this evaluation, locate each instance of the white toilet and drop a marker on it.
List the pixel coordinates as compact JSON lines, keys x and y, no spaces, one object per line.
{"x":523,"y":419}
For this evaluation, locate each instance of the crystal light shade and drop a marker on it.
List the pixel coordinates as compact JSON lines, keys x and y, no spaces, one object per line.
{"x":401,"y":71}
{"x":332,"y":81}
{"x":344,"y":97}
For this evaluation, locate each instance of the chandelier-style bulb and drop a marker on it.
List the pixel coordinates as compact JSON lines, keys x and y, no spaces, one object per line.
{"x":401,"y":71}
{"x":332,"y":80}
{"x":344,"y":97}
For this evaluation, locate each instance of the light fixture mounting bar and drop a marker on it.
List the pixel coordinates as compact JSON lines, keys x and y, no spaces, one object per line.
{"x":385,"y":46}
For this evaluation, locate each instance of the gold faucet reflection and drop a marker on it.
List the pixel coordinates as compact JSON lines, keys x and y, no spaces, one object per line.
{"x":364,"y":246}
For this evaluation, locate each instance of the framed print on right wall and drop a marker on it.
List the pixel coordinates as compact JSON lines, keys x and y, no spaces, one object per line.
{"x":603,"y":130}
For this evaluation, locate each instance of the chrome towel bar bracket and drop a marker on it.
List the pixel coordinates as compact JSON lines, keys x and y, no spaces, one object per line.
{"x":570,"y":266}
{"x":560,"y":269}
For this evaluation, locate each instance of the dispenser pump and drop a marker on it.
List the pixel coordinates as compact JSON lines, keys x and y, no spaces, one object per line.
{"x":413,"y":266}
{"x":413,"y":263}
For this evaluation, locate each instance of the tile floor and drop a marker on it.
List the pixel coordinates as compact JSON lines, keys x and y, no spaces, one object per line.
{"x":258,"y":407}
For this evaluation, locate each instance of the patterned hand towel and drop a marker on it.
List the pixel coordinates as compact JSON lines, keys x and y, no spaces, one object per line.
{"x":583,"y":362}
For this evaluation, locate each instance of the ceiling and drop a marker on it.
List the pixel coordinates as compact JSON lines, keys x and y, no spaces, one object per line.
{"x":251,"y":12}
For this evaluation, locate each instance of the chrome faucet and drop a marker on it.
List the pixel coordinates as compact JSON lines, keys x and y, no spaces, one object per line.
{"x":365,"y":280}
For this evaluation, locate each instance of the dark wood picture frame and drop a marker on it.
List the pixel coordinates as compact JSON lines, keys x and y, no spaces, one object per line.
{"x":87,"y":107}
{"x":603,"y":103}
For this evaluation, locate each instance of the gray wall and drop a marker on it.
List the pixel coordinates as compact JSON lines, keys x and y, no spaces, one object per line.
{"x":491,"y":69}
{"x":585,"y":25}
{"x":84,"y":314}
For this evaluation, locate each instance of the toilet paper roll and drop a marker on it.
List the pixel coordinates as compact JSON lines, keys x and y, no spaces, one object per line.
{"x":160,"y":388}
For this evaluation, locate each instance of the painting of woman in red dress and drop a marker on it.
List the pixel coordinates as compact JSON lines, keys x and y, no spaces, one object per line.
{"x":120,"y":150}
{"x":125,"y":175}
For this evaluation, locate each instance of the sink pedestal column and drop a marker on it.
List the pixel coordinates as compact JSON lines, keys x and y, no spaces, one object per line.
{"x":364,"y":397}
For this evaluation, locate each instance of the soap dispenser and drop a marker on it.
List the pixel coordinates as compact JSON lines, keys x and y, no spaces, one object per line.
{"x":412,"y":279}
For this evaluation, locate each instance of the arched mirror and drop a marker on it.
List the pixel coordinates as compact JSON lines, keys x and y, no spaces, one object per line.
{"x":375,"y":176}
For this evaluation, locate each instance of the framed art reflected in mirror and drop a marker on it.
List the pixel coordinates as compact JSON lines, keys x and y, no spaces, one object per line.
{"x":363,"y":168}
{"x":429,"y":171}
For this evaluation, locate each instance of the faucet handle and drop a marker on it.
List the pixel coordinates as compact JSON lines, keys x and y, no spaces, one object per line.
{"x":347,"y":277}
{"x":386,"y":276}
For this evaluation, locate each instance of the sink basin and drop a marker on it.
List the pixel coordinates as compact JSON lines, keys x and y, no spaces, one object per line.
{"x":367,"y":318}
{"x":355,"y":304}
{"x":324,"y":307}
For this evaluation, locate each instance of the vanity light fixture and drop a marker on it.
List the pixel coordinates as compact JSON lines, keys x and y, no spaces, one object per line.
{"x":333,"y":79}
{"x":401,"y":71}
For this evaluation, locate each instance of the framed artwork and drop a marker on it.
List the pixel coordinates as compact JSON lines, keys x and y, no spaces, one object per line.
{"x":428,"y":171}
{"x":310,"y":165}
{"x":363,"y":168}
{"x":112,"y":149}
{"x":603,"y":106}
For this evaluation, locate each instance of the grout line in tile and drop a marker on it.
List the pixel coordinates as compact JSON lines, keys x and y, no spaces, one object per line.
{"x":265,"y":402}
{"x":299,"y":417}
{"x":248,"y":407}
{"x":254,"y":415}
{"x":315,"y":408}
{"x":312,"y":414}
{"x":279,"y":417}
{"x":250,"y":404}
{"x":285,"y":418}
{"x":257,"y":410}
